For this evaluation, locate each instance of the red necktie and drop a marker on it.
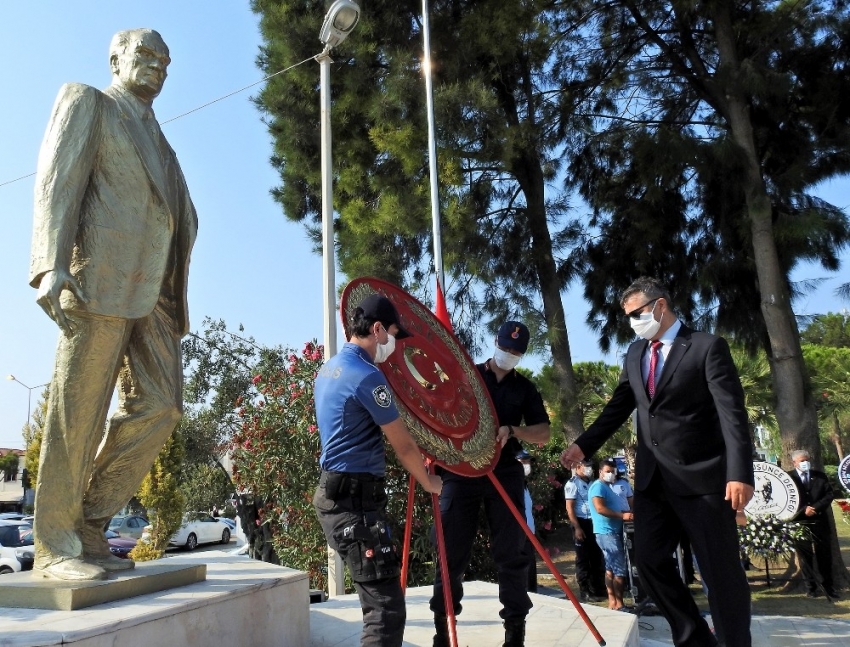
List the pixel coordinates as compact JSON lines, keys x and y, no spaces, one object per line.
{"x":653,"y":362}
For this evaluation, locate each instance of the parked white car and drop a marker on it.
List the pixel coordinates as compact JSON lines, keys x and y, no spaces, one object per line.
{"x":197,"y":528}
{"x":16,"y":553}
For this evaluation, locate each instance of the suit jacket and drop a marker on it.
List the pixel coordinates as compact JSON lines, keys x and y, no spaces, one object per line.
{"x":112,"y":207}
{"x":818,"y":494}
{"x":694,"y":432}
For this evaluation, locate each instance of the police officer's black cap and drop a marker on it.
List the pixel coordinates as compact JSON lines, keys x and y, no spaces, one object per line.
{"x":380,"y":308}
{"x":513,"y":335}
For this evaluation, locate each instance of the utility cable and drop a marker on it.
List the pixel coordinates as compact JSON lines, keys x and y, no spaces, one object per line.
{"x":209,"y":103}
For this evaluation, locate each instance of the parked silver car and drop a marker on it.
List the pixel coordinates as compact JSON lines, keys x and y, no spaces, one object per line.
{"x":128,"y":526}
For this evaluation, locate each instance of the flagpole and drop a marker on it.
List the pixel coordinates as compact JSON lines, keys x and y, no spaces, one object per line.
{"x":432,"y":150}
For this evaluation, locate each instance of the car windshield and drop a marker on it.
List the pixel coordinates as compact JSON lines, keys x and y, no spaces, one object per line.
{"x":116,"y":521}
{"x":10,"y":537}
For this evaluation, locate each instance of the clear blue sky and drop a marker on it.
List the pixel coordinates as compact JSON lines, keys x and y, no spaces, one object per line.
{"x":249,"y":265}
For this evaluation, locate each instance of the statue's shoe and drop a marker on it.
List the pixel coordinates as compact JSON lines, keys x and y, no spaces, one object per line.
{"x":72,"y":568}
{"x":112,"y":563}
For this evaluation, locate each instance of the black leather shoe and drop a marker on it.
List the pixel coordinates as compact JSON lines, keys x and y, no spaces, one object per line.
{"x":584,"y":596}
{"x":441,"y":638}
{"x":514,"y":633}
{"x":833,"y":594}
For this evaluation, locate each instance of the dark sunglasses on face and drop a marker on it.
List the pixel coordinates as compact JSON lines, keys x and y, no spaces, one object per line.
{"x":636,"y":313}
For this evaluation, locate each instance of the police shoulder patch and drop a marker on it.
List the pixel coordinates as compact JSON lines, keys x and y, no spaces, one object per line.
{"x":383,"y":397}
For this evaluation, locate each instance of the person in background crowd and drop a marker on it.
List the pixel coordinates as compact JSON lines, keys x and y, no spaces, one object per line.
{"x":608,"y":512}
{"x":590,"y":566}
{"x":623,"y":489}
{"x":525,"y":458}
{"x":815,"y":498}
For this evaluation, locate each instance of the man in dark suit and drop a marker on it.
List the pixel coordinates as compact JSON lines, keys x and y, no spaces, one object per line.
{"x":113,"y":230}
{"x":693,"y":468}
{"x":815,"y":498}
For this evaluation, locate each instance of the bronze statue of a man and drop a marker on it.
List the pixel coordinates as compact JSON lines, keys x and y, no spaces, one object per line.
{"x":113,"y":230}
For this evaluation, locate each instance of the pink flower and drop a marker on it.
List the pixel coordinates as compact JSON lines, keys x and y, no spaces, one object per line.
{"x":538,"y":507}
{"x":257,"y":379}
{"x":313,"y":429}
{"x":547,"y":526}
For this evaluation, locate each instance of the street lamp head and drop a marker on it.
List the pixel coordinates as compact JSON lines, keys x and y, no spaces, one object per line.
{"x":11,"y":377}
{"x":339,"y":22}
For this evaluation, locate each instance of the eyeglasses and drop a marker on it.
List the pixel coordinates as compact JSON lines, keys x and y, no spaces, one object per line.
{"x":636,"y":313}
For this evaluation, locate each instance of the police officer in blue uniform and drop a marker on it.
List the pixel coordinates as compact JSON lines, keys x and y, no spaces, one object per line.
{"x":522,"y":416}
{"x":354,"y":407}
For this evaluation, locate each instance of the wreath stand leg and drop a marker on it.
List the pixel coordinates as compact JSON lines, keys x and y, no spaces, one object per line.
{"x":767,"y":571}
{"x":543,"y":554}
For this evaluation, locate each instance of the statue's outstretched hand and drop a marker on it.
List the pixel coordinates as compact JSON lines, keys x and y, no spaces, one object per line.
{"x":51,"y":286}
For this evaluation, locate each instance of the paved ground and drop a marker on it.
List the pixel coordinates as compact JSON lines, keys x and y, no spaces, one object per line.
{"x":554,"y":623}
{"x":767,"y":631}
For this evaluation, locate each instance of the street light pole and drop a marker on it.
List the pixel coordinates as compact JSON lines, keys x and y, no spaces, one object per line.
{"x":340,"y":19}
{"x":29,"y":397}
{"x":30,"y":389}
{"x":328,"y":250}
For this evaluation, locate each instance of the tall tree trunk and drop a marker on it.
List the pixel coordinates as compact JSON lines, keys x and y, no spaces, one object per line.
{"x":795,"y":408}
{"x":836,"y":435}
{"x":531,"y":180}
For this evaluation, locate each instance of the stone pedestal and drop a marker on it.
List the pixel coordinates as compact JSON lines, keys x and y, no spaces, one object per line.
{"x":241,"y":602}
{"x":31,"y":590}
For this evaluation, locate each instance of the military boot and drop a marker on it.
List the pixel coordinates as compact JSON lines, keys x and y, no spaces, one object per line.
{"x":514,"y":633}
{"x":441,"y":624}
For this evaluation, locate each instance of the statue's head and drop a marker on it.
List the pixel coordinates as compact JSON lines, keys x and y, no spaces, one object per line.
{"x":139,"y":60}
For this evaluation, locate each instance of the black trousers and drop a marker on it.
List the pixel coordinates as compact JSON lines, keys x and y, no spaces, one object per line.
{"x":590,"y":563}
{"x":460,"y":502}
{"x":382,"y":600}
{"x":818,"y":547}
{"x":660,"y":517}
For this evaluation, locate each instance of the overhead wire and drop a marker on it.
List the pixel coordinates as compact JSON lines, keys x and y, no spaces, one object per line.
{"x":201,"y":107}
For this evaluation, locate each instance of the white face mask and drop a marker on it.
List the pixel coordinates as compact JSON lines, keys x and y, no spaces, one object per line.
{"x":385,"y":350}
{"x":588,"y":471}
{"x":526,"y":469}
{"x":504,"y":360}
{"x":609,"y":477}
{"x":805,"y":466}
{"x":646,"y":326}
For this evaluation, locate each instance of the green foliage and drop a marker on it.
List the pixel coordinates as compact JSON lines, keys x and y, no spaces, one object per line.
{"x":276,"y":458}
{"x":595,"y":384}
{"x":832,"y":330}
{"x":204,"y":486}
{"x":160,"y":494}
{"x":504,"y":107}
{"x":829,"y":370}
{"x":831,"y":472}
{"x":219,"y":367}
{"x":665,"y":173}
{"x":33,"y":433}
{"x":9,"y":466}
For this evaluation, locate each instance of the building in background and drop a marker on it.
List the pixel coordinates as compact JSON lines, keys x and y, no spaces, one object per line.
{"x":12,"y":495}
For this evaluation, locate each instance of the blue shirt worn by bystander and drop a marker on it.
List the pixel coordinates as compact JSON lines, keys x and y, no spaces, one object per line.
{"x":353,"y":400}
{"x":603,"y":525}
